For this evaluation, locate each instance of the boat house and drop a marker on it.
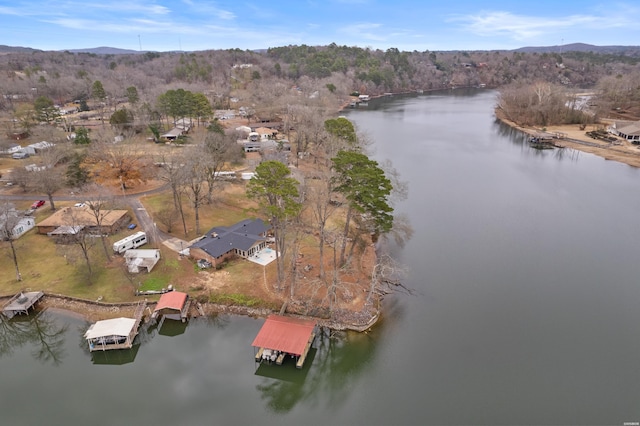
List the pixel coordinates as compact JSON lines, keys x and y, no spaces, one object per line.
{"x":172,"y":305}
{"x":281,"y":336}
{"x":115,"y":333}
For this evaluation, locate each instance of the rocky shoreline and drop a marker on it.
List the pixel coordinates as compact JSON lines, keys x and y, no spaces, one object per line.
{"x":95,"y":311}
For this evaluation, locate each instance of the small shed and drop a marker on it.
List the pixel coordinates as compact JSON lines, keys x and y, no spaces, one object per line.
{"x":172,"y":305}
{"x":281,"y":336}
{"x":137,"y":259}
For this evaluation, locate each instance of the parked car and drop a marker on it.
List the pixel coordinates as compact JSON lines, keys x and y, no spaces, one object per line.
{"x":37,"y":204}
{"x":132,"y":226}
{"x":204,"y":264}
{"x":79,"y":205}
{"x":20,"y":155}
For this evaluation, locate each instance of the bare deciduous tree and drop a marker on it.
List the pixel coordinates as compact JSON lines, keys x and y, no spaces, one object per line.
{"x":9,"y":220}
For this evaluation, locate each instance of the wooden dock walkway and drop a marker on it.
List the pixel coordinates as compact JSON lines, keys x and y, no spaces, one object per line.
{"x":302,"y":357}
{"x":21,"y":303}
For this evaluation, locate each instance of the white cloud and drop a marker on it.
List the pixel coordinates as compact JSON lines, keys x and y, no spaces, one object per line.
{"x":365,"y":31}
{"x":522,"y":27}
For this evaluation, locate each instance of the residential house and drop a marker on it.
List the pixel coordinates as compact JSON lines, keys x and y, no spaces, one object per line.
{"x":20,"y":225}
{"x":629,"y":130}
{"x":243,"y":239}
{"x":111,"y":220}
{"x":266,"y":133}
{"x":173,"y":134}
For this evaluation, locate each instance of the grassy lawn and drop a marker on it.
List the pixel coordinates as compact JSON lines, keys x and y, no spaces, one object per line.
{"x":61,"y":269}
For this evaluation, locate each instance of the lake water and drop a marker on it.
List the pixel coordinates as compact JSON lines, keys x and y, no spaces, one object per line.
{"x":526,"y":307}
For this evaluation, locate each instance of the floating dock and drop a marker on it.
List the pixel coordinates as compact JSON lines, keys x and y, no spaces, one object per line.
{"x":21,"y":303}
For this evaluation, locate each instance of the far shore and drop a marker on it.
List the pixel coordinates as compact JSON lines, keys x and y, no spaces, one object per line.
{"x":571,"y":136}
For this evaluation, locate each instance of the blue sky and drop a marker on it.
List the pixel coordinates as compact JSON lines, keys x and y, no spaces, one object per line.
{"x":377,"y":24}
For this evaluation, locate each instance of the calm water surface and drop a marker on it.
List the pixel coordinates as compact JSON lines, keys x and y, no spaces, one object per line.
{"x":527,"y":306}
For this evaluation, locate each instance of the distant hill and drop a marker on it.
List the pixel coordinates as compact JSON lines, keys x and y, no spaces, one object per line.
{"x":15,"y":49}
{"x":104,"y":50}
{"x":582,"y":47}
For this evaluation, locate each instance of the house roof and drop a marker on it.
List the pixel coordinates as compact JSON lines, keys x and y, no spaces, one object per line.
{"x":285,"y":334}
{"x":172,"y":300}
{"x":629,"y":129}
{"x":110,"y":327}
{"x":76,"y":216}
{"x":242,"y":236}
{"x":173,"y":133}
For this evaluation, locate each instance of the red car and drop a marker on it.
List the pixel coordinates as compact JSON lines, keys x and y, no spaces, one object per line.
{"x":37,"y":204}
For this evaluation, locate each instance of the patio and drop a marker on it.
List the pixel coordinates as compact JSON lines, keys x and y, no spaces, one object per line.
{"x":263,"y":257}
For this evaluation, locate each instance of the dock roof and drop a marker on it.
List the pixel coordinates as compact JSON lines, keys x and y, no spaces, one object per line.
{"x":285,"y":334}
{"x":171,"y":300}
{"x":110,"y":327}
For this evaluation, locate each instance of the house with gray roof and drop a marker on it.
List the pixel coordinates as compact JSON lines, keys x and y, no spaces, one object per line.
{"x":629,"y":130}
{"x":243,"y":239}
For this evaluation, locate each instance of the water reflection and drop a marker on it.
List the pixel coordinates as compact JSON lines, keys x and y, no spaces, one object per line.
{"x":115,"y":357}
{"x":41,"y":330}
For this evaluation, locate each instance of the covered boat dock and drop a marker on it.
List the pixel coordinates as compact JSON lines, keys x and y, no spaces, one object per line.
{"x":173,"y":305}
{"x":281,"y":336}
{"x":21,"y":303}
{"x":115,"y":333}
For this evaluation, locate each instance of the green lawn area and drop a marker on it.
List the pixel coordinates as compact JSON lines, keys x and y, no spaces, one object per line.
{"x":61,"y":269}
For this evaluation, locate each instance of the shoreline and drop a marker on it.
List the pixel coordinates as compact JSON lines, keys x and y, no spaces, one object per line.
{"x":577,"y":139}
{"x":92,"y":311}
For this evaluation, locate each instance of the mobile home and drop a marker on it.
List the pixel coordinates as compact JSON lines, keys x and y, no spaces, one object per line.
{"x":131,"y":242}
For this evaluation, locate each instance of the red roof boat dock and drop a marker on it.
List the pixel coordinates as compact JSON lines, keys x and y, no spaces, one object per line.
{"x":281,"y":336}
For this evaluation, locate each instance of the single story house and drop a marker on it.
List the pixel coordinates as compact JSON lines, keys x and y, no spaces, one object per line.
{"x":112,"y":220}
{"x":243,"y":239}
{"x":137,"y":259}
{"x":266,"y":133}
{"x":173,"y":134}
{"x":20,"y":225}
{"x":629,"y":130}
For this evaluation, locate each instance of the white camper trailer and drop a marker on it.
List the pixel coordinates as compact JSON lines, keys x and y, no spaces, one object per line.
{"x":130,"y":242}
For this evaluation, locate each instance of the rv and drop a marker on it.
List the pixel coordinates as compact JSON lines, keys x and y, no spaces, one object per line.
{"x":131,"y":242}
{"x":224,"y":175}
